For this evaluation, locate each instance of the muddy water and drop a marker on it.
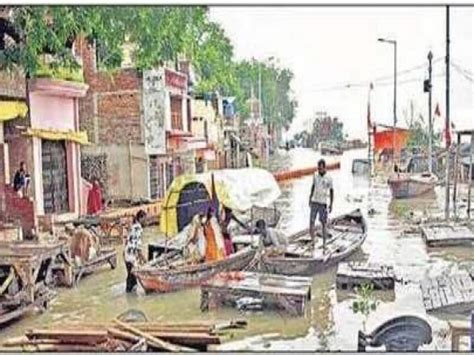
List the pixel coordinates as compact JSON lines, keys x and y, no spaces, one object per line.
{"x":332,"y":324}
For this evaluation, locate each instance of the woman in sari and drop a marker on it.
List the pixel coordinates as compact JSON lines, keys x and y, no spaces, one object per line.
{"x":195,"y":249}
{"x":215,"y":246}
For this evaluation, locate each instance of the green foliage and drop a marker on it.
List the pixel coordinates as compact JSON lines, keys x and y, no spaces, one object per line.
{"x":68,"y":74}
{"x":419,"y":135}
{"x":278,"y":105}
{"x":364,"y":304}
{"x":161,"y":34}
{"x":45,"y":29}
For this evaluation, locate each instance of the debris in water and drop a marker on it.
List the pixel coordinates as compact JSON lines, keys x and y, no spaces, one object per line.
{"x":249,"y":303}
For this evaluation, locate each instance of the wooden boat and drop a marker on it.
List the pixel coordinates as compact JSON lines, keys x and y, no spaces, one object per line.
{"x":304,"y":258}
{"x":168,"y":272}
{"x":329,"y":149}
{"x":406,"y":185}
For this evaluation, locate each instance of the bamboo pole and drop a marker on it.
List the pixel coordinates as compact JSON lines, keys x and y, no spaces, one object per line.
{"x":130,"y":161}
{"x":447,"y":125}
{"x":151,"y":339}
{"x":455,"y":172}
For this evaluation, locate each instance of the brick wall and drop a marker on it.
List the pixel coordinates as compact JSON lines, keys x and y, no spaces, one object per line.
{"x":111,"y":110}
{"x":120,"y":119}
{"x":20,"y":210}
{"x":12,"y":85}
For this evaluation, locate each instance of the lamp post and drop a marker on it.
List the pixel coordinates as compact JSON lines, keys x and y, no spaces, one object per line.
{"x":430,"y":120}
{"x":394,"y":43}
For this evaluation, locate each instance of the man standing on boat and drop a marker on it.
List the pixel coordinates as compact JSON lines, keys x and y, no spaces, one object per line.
{"x":322,"y":192}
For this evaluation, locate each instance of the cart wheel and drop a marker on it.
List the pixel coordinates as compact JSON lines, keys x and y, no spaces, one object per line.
{"x":132,"y":315}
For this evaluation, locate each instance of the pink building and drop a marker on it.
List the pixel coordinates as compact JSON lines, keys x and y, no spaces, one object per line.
{"x":49,"y":142}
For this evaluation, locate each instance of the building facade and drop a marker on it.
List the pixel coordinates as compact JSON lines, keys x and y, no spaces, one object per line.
{"x":139,"y":124}
{"x":49,"y":141}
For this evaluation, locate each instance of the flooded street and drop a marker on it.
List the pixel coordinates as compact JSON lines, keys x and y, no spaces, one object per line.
{"x":332,"y":324}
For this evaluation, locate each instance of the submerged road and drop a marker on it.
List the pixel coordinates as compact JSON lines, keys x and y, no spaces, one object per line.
{"x":332,"y":325}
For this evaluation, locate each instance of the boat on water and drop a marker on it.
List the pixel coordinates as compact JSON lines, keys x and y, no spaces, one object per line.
{"x":408,"y":185}
{"x":303,"y":257}
{"x":239,"y":189}
{"x":171,"y":273}
{"x":413,"y":180}
{"x":327,"y":148}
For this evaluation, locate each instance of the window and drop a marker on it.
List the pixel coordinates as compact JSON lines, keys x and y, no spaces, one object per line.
{"x":176,"y":113}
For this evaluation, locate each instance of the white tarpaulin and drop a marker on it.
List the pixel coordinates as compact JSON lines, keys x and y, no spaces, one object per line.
{"x":242,"y":189}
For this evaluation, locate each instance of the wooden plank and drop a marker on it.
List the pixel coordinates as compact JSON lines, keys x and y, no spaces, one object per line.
{"x":274,"y":289}
{"x":450,"y":293}
{"x":153,"y":340}
{"x":351,"y":274}
{"x":447,"y":235}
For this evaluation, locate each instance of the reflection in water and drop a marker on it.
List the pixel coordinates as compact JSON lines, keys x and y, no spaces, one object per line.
{"x":332,"y":324}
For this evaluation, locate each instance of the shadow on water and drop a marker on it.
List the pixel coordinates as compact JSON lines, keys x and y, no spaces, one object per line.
{"x":331,"y":324}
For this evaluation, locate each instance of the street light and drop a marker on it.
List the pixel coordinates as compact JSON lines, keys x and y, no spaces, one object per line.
{"x":391,"y":41}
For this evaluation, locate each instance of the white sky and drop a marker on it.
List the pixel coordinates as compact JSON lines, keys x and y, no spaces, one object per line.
{"x":325,"y":47}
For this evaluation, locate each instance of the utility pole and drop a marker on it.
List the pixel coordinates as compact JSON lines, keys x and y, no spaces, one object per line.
{"x":430,"y":122}
{"x":260,"y":92}
{"x":394,"y":95}
{"x":447,"y":126}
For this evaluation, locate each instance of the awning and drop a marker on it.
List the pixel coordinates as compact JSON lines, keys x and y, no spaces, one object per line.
{"x":10,"y":110}
{"x":55,"y":135}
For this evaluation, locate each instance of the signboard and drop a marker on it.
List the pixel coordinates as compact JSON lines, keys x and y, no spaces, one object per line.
{"x":175,"y":79}
{"x":155,"y":110}
{"x":209,"y":155}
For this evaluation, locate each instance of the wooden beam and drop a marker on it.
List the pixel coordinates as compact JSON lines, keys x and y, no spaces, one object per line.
{"x":151,"y":339}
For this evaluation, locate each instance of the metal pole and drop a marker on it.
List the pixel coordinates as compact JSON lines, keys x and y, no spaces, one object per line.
{"x":369,"y":129}
{"x":260,"y":93}
{"x":369,"y":149}
{"x":470,"y":178}
{"x":430,"y":122}
{"x":394,"y":95}
{"x":446,"y":208}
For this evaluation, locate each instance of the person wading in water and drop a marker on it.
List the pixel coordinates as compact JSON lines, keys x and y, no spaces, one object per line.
{"x":321,"y":191}
{"x":133,"y":253}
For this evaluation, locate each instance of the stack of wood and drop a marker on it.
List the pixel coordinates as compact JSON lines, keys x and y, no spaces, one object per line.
{"x":123,"y":336}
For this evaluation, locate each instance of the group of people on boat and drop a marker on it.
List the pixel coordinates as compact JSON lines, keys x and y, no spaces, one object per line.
{"x":209,"y":237}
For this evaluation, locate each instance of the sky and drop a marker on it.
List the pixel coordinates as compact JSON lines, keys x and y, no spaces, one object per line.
{"x":330,"y":47}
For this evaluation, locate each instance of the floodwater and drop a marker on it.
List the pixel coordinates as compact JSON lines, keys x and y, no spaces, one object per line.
{"x":332,"y":325}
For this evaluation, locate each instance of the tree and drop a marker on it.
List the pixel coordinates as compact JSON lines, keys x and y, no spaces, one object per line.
{"x":278,"y":106}
{"x":44,"y":30}
{"x":161,"y":34}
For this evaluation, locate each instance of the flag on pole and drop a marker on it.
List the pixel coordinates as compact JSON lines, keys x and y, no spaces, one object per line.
{"x":369,"y":121}
{"x":437,"y":111}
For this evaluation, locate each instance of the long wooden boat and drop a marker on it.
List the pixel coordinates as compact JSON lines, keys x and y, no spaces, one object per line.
{"x":406,"y":185}
{"x":169,"y":273}
{"x":329,"y":149}
{"x":303,"y":257}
